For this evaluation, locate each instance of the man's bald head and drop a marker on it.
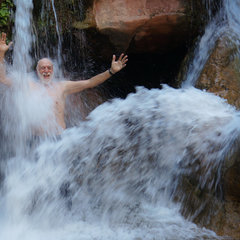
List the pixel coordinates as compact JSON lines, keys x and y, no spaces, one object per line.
{"x":44,"y":61}
{"x":45,"y":70}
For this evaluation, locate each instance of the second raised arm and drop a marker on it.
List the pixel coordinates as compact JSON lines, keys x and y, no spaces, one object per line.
{"x":77,"y":86}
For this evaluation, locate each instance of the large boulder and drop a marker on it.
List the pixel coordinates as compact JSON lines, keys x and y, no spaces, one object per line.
{"x":219,"y":210}
{"x":221,"y":74}
{"x":141,"y":25}
{"x":226,"y":218}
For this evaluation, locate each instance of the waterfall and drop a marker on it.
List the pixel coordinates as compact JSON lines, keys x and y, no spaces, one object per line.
{"x":96,"y":183}
{"x":59,"y":48}
{"x":116,"y":175}
{"x":202,"y":51}
{"x":28,"y":108}
{"x":48,"y":41}
{"x":226,"y":20}
{"x":15,"y":124}
{"x":23,"y":39}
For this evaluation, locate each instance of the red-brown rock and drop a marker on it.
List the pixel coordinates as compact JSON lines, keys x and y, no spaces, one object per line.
{"x":140,"y":25}
{"x":221,"y":76}
{"x":149,"y":25}
{"x":221,"y":73}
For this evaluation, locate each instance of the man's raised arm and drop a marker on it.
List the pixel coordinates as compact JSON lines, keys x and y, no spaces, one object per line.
{"x":77,"y":86}
{"x":3,"y":49}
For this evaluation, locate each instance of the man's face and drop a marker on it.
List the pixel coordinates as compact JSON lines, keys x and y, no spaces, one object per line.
{"x":45,"y":70}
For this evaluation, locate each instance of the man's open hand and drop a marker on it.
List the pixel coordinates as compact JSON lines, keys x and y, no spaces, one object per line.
{"x":3,"y":45}
{"x":119,"y":64}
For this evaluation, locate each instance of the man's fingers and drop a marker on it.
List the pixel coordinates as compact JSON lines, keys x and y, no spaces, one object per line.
{"x":114,"y":58}
{"x":121,"y":56}
{"x":4,"y":37}
{"x":125,"y":59}
{"x":121,"y":61}
{"x":10,"y":44}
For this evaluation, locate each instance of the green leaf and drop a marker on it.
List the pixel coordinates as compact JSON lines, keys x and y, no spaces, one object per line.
{"x":4,"y":22}
{"x":5,"y":11}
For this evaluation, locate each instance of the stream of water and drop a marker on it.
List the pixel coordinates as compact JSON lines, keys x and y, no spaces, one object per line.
{"x":114,"y":175}
{"x":226,"y":21}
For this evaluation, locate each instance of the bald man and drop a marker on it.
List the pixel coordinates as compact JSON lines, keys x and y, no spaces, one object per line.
{"x":58,"y":91}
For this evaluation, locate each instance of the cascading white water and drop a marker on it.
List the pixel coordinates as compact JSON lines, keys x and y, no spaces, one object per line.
{"x":113,"y":176}
{"x":232,"y":9}
{"x":96,"y":183}
{"x":213,"y":30}
{"x":44,"y":45}
{"x":22,"y":63}
{"x":24,"y":109}
{"x":202,"y":51}
{"x":226,"y":20}
{"x":59,"y":48}
{"x":23,"y":39}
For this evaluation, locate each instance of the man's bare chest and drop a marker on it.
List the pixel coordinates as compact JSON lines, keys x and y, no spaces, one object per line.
{"x":56,"y":97}
{"x":53,"y":93}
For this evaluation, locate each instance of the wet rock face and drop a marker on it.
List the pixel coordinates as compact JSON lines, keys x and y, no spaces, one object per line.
{"x":218,"y":208}
{"x":231,"y":187}
{"x":154,"y":33}
{"x":141,"y":25}
{"x":221,"y":76}
{"x":221,"y":73}
{"x":232,"y":183}
{"x":146,"y":24}
{"x":226,"y":219}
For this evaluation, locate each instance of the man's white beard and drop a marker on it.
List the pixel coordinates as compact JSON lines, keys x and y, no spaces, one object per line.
{"x":44,"y":80}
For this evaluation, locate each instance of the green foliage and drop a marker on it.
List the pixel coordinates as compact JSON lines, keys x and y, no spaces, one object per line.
{"x":5,"y":12}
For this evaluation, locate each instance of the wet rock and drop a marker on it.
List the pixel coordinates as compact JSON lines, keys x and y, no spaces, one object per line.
{"x":216,"y":207}
{"x":155,"y":34}
{"x":220,"y":210}
{"x":141,"y":26}
{"x":221,"y":74}
{"x":225,"y":221}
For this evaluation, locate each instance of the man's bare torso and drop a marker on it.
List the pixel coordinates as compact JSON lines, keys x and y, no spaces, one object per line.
{"x":55,"y":91}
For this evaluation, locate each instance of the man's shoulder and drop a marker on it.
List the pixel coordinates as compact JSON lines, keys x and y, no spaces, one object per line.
{"x":62,"y":81}
{"x":61,"y":84}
